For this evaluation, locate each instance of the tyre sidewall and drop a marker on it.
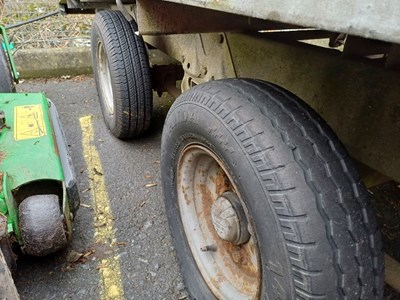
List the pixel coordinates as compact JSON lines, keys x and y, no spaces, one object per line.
{"x":191,"y":123}
{"x":97,"y":39}
{"x":6,"y":79}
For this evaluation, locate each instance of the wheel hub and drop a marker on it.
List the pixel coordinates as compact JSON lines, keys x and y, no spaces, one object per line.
{"x":216,"y":225}
{"x":229,"y":219}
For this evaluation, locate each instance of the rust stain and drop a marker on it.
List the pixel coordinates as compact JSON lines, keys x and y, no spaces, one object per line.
{"x":238,"y":265}
{"x":3,"y":227}
{"x":237,"y":259}
{"x":222,"y":182}
{"x":186,"y":196}
{"x":2,"y":156}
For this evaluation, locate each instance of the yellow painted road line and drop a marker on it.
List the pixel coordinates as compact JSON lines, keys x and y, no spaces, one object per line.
{"x":110,"y":273}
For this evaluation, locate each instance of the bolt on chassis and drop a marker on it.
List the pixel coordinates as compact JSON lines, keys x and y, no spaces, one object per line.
{"x":38,"y":190}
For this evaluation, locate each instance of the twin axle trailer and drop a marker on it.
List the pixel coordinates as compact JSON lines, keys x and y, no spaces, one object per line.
{"x":280,"y":106}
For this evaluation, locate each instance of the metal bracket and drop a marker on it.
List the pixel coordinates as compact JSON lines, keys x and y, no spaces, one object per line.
{"x":204,"y":57}
{"x":124,"y":11}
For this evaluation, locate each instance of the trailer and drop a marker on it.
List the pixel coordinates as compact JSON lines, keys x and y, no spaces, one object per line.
{"x":279,"y":105}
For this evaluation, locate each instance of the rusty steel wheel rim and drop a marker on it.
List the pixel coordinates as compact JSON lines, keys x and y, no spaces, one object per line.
{"x":216,"y":224}
{"x":105,"y":78}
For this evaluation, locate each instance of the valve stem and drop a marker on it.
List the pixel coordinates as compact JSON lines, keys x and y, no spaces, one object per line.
{"x":208,"y":248}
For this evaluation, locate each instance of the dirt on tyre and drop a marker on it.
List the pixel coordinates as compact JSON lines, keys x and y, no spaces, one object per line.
{"x":42,"y":225}
{"x":6,"y":79}
{"x":122,"y":74}
{"x":262,"y":199}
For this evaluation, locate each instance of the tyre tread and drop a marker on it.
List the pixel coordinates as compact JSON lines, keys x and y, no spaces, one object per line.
{"x":130,"y":71}
{"x":326,"y":166}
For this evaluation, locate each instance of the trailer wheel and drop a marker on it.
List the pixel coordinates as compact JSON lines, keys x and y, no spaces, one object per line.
{"x":42,"y":225}
{"x":6,"y":79}
{"x":122,"y":74}
{"x":262,"y":199}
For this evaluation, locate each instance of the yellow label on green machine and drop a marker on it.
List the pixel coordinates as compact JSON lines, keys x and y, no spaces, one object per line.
{"x":28,"y":122}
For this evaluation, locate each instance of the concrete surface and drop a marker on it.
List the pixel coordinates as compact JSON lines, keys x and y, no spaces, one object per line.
{"x":149,"y":269}
{"x":70,"y":61}
{"x":39,"y":63}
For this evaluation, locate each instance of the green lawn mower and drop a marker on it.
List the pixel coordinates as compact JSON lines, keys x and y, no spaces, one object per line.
{"x":38,"y":189}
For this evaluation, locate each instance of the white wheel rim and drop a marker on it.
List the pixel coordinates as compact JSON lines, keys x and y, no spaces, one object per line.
{"x":230,"y":271}
{"x":105,"y":78}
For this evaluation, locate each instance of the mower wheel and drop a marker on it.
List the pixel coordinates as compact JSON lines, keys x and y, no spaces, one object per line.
{"x":42,"y":225}
{"x":6,"y":79}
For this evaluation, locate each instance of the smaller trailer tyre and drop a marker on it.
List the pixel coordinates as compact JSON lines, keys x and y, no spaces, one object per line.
{"x":122,"y":73}
{"x":42,"y":225}
{"x":262,"y":199}
{"x":6,"y":79}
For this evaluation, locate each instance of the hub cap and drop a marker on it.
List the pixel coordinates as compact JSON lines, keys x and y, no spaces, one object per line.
{"x":229,"y":219}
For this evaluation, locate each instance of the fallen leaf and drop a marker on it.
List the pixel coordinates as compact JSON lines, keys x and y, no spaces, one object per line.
{"x":82,"y":170}
{"x":88,"y":253}
{"x":97,"y":172}
{"x":156,"y":162}
{"x":151,"y":185}
{"x":74,"y":256}
{"x":143,"y":203}
{"x":119,"y":243}
{"x":85,"y":205}
{"x":148,"y":176}
{"x":101,"y":267}
{"x":86,"y":190}
{"x":67,"y":268}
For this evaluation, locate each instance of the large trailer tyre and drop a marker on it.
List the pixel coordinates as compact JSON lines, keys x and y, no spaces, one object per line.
{"x":42,"y":225}
{"x":122,"y":74}
{"x":263,"y":201}
{"x":6,"y":79}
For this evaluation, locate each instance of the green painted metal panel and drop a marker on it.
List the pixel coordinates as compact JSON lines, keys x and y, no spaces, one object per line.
{"x":27,"y":148}
{"x":28,"y":152}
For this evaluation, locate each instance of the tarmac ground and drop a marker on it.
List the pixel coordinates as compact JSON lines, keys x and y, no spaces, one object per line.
{"x":129,"y":256}
{"x":121,"y":247}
